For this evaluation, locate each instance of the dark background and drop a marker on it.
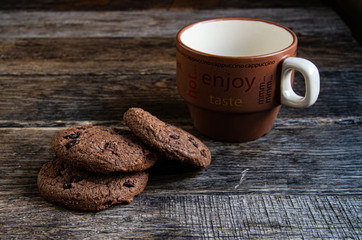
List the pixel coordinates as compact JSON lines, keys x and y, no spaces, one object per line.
{"x":349,"y":10}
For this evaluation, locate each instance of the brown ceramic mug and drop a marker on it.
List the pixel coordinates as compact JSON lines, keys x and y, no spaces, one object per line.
{"x":235,"y":73}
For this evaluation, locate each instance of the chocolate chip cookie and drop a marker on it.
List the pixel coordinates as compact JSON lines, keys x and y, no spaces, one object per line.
{"x":81,"y":190}
{"x":170,"y":140}
{"x":103,"y":149}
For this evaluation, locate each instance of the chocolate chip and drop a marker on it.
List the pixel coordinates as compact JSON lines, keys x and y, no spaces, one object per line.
{"x":81,"y":128}
{"x":63,"y":166}
{"x":108,"y":130}
{"x":72,"y":136}
{"x":128,"y":184}
{"x":108,"y":203}
{"x":203,"y":153}
{"x":67,"y":186}
{"x":174,"y":137}
{"x":71,"y":143}
{"x":119,"y":131}
{"x":109,"y":145}
{"x":193,"y":142}
{"x":76,"y":179}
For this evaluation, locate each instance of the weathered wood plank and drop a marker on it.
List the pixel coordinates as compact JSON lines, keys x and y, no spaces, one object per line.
{"x":45,"y":98}
{"x":169,"y":4}
{"x":115,"y":56}
{"x":189,"y":216}
{"x":101,"y":56}
{"x":300,"y":181}
{"x":156,"y":23}
{"x":289,"y":160}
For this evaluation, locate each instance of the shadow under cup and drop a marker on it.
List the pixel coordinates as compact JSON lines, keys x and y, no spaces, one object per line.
{"x":229,"y":73}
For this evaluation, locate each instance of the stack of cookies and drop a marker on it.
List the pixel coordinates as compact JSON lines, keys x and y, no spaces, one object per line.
{"x":97,"y":166}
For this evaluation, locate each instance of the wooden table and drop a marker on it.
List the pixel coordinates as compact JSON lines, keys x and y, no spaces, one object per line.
{"x":65,"y":68}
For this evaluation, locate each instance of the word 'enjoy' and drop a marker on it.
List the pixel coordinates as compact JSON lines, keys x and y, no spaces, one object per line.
{"x":225,"y":82}
{"x":228,"y":82}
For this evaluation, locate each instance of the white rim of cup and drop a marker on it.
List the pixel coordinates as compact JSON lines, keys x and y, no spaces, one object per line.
{"x":293,"y":44}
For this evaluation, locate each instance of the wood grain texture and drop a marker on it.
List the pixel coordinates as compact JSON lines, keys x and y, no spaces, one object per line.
{"x":107,"y":97}
{"x":288,"y":160}
{"x":101,"y":56}
{"x":142,"y":4}
{"x":64,"y":68}
{"x":290,"y":190}
{"x":189,"y":216}
{"x":155,"y":23}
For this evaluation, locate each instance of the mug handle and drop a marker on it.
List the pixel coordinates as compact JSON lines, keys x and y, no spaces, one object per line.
{"x":312,"y":83}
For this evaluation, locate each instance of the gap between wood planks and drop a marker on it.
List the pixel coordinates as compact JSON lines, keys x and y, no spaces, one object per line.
{"x":280,"y":123}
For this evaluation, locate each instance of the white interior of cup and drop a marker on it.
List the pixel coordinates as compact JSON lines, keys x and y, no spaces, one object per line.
{"x":236,"y":38}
